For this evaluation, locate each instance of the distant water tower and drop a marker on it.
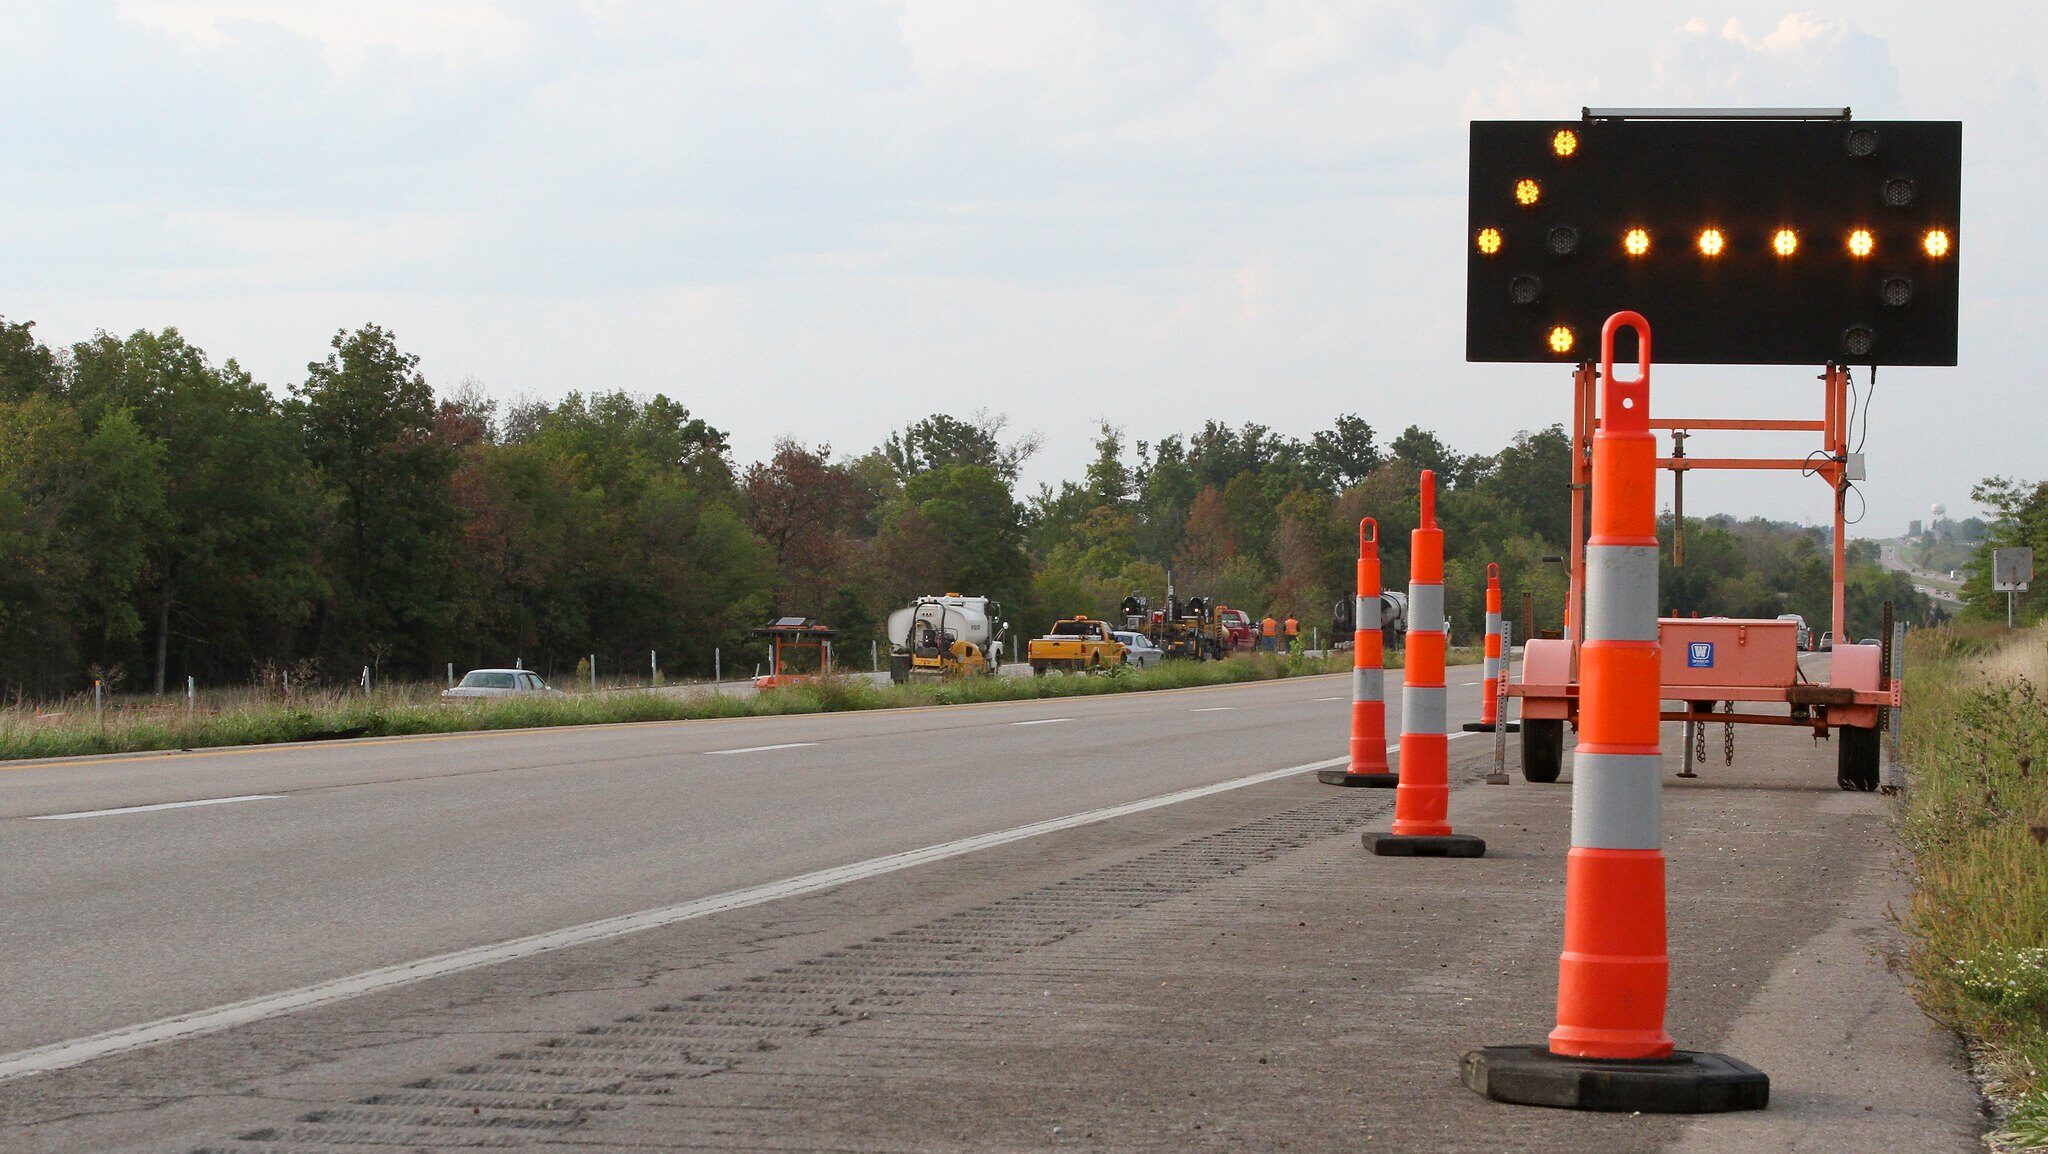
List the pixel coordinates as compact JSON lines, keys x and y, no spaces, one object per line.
{"x":1939,"y":512}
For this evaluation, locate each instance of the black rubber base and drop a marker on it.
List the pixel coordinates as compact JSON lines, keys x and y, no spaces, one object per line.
{"x":1684,"y":1083}
{"x":1482,"y":727}
{"x":1346,"y":777}
{"x":1407,"y":845}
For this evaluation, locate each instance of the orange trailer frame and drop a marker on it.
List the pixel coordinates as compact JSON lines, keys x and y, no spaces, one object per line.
{"x":1859,"y":683}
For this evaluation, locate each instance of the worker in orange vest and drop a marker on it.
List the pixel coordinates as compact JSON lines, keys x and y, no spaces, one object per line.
{"x":1293,"y":632}
{"x":1270,"y":631}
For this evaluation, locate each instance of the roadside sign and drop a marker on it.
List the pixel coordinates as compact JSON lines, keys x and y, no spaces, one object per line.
{"x":1791,"y":236}
{"x":2011,"y":569}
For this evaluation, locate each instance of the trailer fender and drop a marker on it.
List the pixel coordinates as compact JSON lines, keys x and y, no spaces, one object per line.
{"x":1859,"y":667}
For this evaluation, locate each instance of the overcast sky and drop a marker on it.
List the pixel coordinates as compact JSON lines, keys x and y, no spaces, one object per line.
{"x":825,"y":219}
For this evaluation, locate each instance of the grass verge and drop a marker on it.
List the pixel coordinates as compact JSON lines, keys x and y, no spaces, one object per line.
{"x":417,"y":710}
{"x":1976,"y":730}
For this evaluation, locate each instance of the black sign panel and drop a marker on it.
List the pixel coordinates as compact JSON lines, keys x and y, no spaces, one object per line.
{"x":1803,"y":242}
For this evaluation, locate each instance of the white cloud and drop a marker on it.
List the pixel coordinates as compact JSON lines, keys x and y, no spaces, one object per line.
{"x":826,"y":217}
{"x":460,"y":34}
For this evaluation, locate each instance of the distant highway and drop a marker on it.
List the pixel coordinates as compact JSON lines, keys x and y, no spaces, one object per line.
{"x":1927,"y":582}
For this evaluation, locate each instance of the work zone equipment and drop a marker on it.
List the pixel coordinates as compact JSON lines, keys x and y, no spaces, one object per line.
{"x":1609,"y":1050}
{"x":790,"y":635}
{"x":946,"y":637}
{"x":1422,"y":797}
{"x":1774,"y":237}
{"x":1368,"y":679}
{"x":1496,"y":663}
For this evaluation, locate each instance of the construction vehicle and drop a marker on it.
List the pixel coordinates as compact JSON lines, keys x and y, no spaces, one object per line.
{"x":1393,"y":620}
{"x":1077,"y":645}
{"x":946,"y":637}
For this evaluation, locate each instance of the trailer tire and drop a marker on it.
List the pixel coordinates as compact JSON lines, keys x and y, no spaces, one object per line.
{"x":1542,"y":749}
{"x":1038,"y":669}
{"x":1856,"y":756}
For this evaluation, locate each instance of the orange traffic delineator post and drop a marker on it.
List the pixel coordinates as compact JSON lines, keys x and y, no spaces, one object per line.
{"x":1495,"y":667}
{"x":1368,"y":688}
{"x":1422,"y":798}
{"x":1609,"y":1050}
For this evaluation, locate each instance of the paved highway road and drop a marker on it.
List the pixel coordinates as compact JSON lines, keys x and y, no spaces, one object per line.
{"x":142,"y":887}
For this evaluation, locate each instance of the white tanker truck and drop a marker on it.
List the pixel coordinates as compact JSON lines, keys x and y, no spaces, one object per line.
{"x":950,"y":636}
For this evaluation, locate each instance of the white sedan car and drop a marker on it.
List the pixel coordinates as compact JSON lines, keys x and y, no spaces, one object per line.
{"x":1139,"y":652}
{"x":502,"y":683}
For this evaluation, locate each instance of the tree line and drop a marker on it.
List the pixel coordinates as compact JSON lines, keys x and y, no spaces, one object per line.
{"x":165,"y":516}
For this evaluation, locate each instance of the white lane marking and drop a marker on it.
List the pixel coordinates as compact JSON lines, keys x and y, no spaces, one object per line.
{"x":759,"y":748}
{"x":154,"y":808}
{"x":1043,"y":721}
{"x":61,"y":1055}
{"x":1333,"y":699}
{"x":1213,"y":709}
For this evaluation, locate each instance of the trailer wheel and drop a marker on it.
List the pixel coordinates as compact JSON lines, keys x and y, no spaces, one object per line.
{"x":1856,"y":759}
{"x":1542,"y":749}
{"x":1038,"y":669}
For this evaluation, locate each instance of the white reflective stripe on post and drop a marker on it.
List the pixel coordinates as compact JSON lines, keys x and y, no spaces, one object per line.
{"x":1423,"y":709}
{"x":1366,"y":612}
{"x":1367,"y":685}
{"x":1621,"y":593}
{"x":1493,"y":623}
{"x":1617,"y":800}
{"x":1425,"y":608}
{"x":1491,"y":667}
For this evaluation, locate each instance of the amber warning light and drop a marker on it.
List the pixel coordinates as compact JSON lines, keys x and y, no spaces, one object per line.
{"x":1751,"y":239}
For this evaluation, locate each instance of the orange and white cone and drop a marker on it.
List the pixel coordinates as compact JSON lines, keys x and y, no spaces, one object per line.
{"x":1422,"y":799}
{"x":1609,"y":1050}
{"x":1368,"y":687}
{"x":1495,"y":667}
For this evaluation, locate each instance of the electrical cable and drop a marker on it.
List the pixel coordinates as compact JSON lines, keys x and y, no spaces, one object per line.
{"x":1862,"y":507}
{"x":1868,"y":397}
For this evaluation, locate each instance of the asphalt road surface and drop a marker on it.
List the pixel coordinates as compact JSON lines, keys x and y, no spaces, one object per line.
{"x":267,"y":869}
{"x":1129,"y":922}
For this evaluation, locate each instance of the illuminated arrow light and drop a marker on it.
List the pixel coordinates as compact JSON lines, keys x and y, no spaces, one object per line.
{"x":1712,"y":242}
{"x":1636,"y":241}
{"x":1785,"y":242}
{"x":1564,"y":142}
{"x":1525,"y":290}
{"x":1488,"y":241}
{"x":1935,"y":242}
{"x":1527,"y":192}
{"x":1861,"y":243}
{"x":1561,"y":340}
{"x":1897,"y":292}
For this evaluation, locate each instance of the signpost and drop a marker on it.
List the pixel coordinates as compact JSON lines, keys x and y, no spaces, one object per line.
{"x":2011,"y":571}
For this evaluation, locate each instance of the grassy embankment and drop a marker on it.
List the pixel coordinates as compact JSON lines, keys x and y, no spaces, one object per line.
{"x":419,"y":709}
{"x":1976,"y":747}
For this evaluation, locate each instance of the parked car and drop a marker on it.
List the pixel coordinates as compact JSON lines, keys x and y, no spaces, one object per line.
{"x":1827,"y":641}
{"x":1803,"y":636}
{"x":502,"y":683}
{"x":1139,"y":652}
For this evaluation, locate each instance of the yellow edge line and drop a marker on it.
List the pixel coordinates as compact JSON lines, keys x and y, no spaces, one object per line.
{"x":142,"y":755}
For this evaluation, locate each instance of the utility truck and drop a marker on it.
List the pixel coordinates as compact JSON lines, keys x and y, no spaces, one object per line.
{"x":946,"y":637}
{"x":1077,"y":645}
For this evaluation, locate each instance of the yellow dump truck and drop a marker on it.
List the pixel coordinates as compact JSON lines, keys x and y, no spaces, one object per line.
{"x":1077,"y":645}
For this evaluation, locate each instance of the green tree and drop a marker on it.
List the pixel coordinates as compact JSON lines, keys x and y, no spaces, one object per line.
{"x":367,"y":418}
{"x":228,"y":573}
